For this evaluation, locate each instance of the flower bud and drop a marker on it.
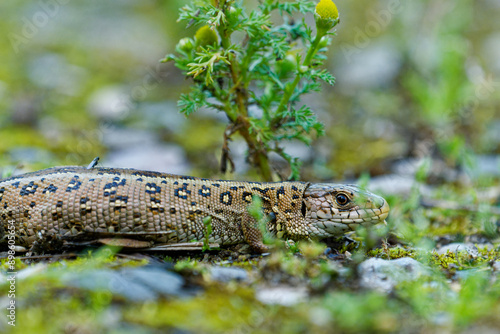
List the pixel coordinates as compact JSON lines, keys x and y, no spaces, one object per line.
{"x":185,"y":45}
{"x":206,"y":36}
{"x":326,"y":16}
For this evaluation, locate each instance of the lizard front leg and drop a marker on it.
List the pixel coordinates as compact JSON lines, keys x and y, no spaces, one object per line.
{"x":252,"y":233}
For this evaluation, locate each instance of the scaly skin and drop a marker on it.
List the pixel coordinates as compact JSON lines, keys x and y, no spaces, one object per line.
{"x":75,"y":203}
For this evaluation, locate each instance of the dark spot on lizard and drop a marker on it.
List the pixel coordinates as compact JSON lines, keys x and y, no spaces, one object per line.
{"x":110,"y":189}
{"x":16,"y":184}
{"x":124,"y":199}
{"x":172,"y":210}
{"x":74,"y":184}
{"x":294,"y":196}
{"x":147,"y":174}
{"x":294,"y":188}
{"x":234,"y":188}
{"x":226,"y":198}
{"x":216,"y":184}
{"x":84,"y":200}
{"x":51,"y":189}
{"x":187,"y":178}
{"x":204,"y":191}
{"x":152,"y":188}
{"x":155,"y":200}
{"x":193,"y":203}
{"x":32,"y":204}
{"x":28,"y":189}
{"x":182,"y":192}
{"x":109,"y":171}
{"x":262,"y":191}
{"x":247,"y":197}
{"x":139,"y":179}
{"x":59,"y":204}
{"x":280,"y":192}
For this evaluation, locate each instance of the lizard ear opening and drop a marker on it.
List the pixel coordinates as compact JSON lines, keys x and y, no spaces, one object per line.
{"x":303,"y":209}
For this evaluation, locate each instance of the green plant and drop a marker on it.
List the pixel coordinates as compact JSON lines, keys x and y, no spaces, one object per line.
{"x":255,"y":71}
{"x":207,"y":222}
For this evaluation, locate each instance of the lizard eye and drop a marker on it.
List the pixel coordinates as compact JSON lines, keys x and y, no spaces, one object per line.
{"x":342,"y":199}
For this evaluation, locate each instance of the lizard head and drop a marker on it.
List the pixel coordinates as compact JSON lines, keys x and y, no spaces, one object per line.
{"x":332,"y":209}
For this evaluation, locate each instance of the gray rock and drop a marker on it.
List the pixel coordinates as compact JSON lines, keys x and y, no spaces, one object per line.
{"x":459,"y":247}
{"x":134,"y":284}
{"x":30,"y":155}
{"x":111,"y":103}
{"x":120,"y":138}
{"x":384,"y":275}
{"x":282,"y":295}
{"x":491,"y":51}
{"x":159,"y":280}
{"x":32,"y":270}
{"x":160,"y":115}
{"x":373,"y":65}
{"x":162,"y":158}
{"x":52,"y":71}
{"x":110,"y":280}
{"x":397,"y":185}
{"x":226,"y":274}
{"x":484,"y":165}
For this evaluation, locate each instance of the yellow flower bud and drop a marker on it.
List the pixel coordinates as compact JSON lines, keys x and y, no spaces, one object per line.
{"x":206,"y":36}
{"x":326,"y":9}
{"x":326,"y":16}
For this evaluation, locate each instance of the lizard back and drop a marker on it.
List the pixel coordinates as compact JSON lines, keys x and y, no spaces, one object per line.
{"x":74,"y":201}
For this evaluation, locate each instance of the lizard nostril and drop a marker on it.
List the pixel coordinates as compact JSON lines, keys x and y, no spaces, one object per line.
{"x":303,"y":209}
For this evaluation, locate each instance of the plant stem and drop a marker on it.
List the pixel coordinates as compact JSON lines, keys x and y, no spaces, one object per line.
{"x":259,"y":156}
{"x":291,"y":87}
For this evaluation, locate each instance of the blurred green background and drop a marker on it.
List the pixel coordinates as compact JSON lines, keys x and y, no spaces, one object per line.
{"x":83,"y":79}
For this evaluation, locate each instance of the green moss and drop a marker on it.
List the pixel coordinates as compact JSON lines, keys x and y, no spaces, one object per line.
{"x":215,"y":310}
{"x":392,"y":253}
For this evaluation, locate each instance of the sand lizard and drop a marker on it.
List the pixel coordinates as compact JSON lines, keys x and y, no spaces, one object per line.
{"x":65,"y":203}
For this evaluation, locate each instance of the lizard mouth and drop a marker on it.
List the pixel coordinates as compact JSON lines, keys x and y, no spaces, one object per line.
{"x":337,"y":221}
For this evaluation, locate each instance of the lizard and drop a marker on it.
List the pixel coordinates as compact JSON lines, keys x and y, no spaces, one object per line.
{"x":72,"y":203}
